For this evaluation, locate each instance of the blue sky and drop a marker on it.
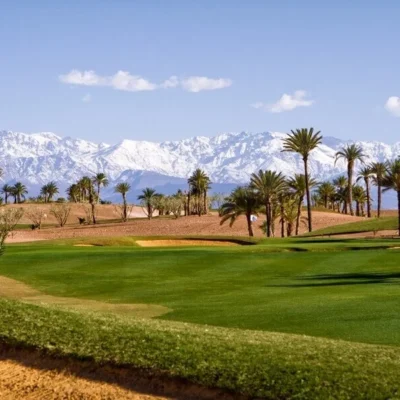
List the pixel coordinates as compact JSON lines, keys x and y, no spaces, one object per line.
{"x":230,"y":62}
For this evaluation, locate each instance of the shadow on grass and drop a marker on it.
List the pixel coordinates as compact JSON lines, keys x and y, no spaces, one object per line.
{"x":345,"y":280}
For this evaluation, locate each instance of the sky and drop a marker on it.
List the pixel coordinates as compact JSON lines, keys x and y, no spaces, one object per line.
{"x":168,"y":70}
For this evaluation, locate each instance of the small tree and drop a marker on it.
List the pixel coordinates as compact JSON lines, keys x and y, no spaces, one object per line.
{"x":9,"y":218}
{"x":123,"y":210}
{"x":36,"y":215}
{"x":61,"y":213}
{"x":88,"y":209}
{"x":123,"y":188}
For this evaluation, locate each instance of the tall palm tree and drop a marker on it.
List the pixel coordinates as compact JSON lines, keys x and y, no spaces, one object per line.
{"x":391,"y":180}
{"x":148,"y":197}
{"x":351,"y":153}
{"x":378,"y":170}
{"x":6,"y":190}
{"x":242,"y":201}
{"x":100,"y":180}
{"x":85,"y":184}
{"x":297,"y":186}
{"x":19,"y":192}
{"x":123,"y":188}
{"x":268,"y":184}
{"x":199,"y":184}
{"x":303,"y":141}
{"x":365,"y":174}
{"x":326,"y":191}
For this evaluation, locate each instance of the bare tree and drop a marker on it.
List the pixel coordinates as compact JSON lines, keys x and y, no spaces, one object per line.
{"x":36,"y":215}
{"x":123,"y":211}
{"x":90,"y":212}
{"x":9,"y":218}
{"x":61,"y":213}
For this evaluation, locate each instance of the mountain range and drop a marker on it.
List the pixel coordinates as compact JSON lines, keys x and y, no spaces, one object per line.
{"x":228,"y":158}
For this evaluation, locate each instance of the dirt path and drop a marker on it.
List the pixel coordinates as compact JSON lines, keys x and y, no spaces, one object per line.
{"x":14,"y":289}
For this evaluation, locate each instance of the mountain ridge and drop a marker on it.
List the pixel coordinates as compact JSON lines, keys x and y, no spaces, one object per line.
{"x":228,"y":158}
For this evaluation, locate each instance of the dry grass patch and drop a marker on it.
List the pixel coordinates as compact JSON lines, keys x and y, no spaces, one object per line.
{"x":13,"y":289}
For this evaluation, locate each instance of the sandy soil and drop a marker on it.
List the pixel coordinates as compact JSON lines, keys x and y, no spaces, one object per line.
{"x":193,"y":225}
{"x":29,"y":375}
{"x":167,"y":243}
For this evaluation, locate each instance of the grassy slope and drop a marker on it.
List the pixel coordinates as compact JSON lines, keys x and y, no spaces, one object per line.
{"x":339,"y":294}
{"x":274,"y":366}
{"x":369,"y":225}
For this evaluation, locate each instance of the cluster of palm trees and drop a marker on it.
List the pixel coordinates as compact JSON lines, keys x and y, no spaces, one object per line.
{"x":87,"y":189}
{"x":276,"y":196}
{"x":17,"y":191}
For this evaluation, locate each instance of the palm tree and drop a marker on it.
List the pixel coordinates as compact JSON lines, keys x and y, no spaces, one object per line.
{"x":73,"y":192}
{"x":351,"y":153}
{"x":199,"y":184}
{"x":360,"y":197}
{"x":303,"y":141}
{"x":19,"y":192}
{"x":148,"y":197}
{"x":84,"y":184}
{"x":123,"y":188}
{"x":391,"y":180}
{"x":48,"y":191}
{"x":297,"y":186}
{"x":268,"y":184}
{"x":326,"y":191}
{"x":100,"y":180}
{"x":365,"y":174}
{"x":341,"y":186}
{"x":242,"y":201}
{"x":6,"y":190}
{"x":378,"y":170}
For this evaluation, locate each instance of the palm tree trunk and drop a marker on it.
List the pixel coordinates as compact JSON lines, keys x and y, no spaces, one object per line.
{"x":6,"y":197}
{"x":308,"y":195}
{"x":379,"y":198}
{"x":350,"y":187}
{"x":98,"y":192}
{"x":249,"y":225}
{"x":268,"y":217}
{"x":149,"y":210}
{"x":205,"y":203}
{"x":282,"y":221}
{"x":368,"y":198}
{"x":357,"y":208}
{"x":298,"y":215}
{"x":125,"y":211}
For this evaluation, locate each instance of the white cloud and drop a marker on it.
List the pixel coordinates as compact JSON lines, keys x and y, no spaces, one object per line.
{"x":393,"y":105}
{"x":123,"y":80}
{"x":198,"y":83}
{"x":87,"y":98}
{"x":171,"y":82}
{"x":287,"y":102}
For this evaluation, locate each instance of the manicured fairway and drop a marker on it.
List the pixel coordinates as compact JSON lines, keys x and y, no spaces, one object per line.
{"x":352,"y":295}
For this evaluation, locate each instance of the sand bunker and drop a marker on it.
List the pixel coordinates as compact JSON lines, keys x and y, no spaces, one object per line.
{"x":184,"y":242}
{"x":13,"y":289}
{"x":83,"y":245}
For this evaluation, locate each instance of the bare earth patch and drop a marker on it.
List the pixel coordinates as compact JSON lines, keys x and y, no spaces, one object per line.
{"x":14,"y":289}
{"x":184,"y":242}
{"x":193,"y":225}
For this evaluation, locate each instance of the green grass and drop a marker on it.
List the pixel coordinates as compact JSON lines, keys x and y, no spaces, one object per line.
{"x":257,"y":364}
{"x":368,"y":225}
{"x":317,"y":288}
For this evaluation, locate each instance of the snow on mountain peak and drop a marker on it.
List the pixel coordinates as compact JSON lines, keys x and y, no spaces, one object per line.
{"x":228,"y":157}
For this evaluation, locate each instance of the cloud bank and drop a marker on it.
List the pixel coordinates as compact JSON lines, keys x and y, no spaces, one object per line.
{"x":125,"y":81}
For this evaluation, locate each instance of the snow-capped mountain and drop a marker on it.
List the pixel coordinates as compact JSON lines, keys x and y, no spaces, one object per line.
{"x":228,"y":158}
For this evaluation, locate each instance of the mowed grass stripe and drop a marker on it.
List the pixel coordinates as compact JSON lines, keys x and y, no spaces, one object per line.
{"x":320,"y":291}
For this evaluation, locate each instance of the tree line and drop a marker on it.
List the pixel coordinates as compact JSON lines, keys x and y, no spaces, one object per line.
{"x":281,"y":198}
